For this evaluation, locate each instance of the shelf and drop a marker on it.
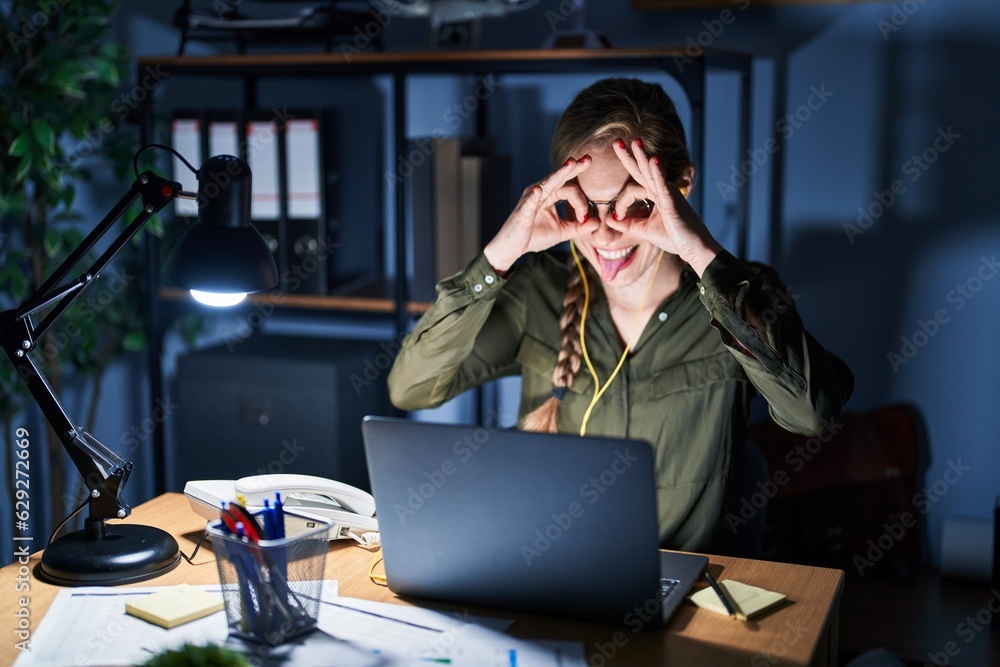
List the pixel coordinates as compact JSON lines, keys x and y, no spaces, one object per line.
{"x":423,"y":62}
{"x":370,"y":298}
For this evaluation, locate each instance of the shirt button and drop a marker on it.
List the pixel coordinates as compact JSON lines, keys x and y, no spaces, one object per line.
{"x":489,"y":280}
{"x":663,"y":317}
{"x":702,"y":289}
{"x":477,"y":288}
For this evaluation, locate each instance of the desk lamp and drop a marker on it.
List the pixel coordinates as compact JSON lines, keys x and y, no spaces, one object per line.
{"x":220,"y":259}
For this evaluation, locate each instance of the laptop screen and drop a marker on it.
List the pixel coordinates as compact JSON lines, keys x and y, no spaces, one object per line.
{"x":553,"y":524}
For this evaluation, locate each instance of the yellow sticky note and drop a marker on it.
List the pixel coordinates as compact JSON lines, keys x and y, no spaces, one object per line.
{"x":175,"y":606}
{"x":750,"y":600}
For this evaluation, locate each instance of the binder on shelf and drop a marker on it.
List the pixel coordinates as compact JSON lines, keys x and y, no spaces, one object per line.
{"x":223,"y":137}
{"x":262,"y":156}
{"x":457,"y":199}
{"x":185,"y":137}
{"x":484,"y":196}
{"x":302,"y":140}
{"x":290,"y":187}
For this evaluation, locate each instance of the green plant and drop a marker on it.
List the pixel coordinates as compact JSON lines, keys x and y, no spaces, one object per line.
{"x":190,"y":655}
{"x":63,"y":120}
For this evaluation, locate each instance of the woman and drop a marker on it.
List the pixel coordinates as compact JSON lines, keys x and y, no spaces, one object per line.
{"x":648,"y":329}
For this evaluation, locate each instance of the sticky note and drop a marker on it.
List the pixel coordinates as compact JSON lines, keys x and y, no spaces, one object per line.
{"x":175,"y":606}
{"x":751,"y":600}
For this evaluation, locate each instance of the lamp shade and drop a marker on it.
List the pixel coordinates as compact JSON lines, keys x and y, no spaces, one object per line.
{"x":222,"y":252}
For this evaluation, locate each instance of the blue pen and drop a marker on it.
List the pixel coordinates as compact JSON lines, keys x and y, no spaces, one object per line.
{"x":267,"y":516}
{"x":279,"y":512}
{"x":249,"y":582}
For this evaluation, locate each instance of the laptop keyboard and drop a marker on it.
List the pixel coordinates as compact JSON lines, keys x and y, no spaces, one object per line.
{"x":667,"y":587}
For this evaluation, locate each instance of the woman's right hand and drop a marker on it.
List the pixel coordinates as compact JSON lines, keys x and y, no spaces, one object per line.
{"x":534,"y":225}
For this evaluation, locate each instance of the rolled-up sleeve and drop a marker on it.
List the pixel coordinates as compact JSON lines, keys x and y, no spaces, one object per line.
{"x":805,"y":386}
{"x":450,"y":349}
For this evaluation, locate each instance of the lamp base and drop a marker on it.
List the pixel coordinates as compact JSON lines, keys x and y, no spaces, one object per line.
{"x":108,"y":555}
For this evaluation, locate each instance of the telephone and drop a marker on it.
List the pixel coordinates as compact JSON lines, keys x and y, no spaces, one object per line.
{"x":349,"y":509}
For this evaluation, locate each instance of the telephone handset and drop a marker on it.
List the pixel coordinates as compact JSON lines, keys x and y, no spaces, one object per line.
{"x":349,"y":509}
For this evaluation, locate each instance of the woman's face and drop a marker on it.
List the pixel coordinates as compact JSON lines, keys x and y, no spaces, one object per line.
{"x":620,"y":259}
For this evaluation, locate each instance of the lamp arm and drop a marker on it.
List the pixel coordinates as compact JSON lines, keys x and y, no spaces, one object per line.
{"x":104,"y":472}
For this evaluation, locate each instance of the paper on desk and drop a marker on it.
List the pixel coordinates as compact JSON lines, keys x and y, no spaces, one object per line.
{"x":88,"y":627}
{"x":750,"y":600}
{"x":410,"y":636}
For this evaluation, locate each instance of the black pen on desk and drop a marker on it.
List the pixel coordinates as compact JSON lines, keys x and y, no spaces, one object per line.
{"x":730,"y":606}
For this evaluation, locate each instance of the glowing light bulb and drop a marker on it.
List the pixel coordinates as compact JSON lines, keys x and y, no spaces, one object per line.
{"x":218,"y":299}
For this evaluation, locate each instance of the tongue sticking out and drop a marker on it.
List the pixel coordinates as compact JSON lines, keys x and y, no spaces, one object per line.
{"x":611,"y":267}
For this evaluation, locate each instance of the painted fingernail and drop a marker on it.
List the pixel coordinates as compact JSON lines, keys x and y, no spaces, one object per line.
{"x":621,"y":144}
{"x":638,"y":142}
{"x":586,"y":158}
{"x":568,"y":162}
{"x":535,"y":188}
{"x":585,"y":216}
{"x":615,"y":216}
{"x":656,"y":161}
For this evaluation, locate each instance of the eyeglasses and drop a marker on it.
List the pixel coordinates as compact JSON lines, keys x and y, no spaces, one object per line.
{"x":641,"y":208}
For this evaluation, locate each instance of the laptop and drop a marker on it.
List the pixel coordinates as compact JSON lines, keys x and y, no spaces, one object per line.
{"x":548,"y":524}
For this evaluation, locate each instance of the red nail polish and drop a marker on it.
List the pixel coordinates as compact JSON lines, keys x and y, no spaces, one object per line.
{"x":638,"y":142}
{"x":586,"y":157}
{"x":656,"y":161}
{"x":621,"y":144}
{"x":568,"y":162}
{"x":585,"y":216}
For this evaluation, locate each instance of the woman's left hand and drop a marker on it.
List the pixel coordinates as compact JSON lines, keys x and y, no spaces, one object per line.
{"x":673,"y":225}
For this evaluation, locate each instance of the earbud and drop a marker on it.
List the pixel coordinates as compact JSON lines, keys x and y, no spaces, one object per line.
{"x":684,"y":190}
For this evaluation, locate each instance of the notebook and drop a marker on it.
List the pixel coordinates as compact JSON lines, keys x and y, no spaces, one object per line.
{"x":550,"y":524}
{"x":750,"y":600}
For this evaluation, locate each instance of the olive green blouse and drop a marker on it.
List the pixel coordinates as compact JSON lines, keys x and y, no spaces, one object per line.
{"x":684,"y":388}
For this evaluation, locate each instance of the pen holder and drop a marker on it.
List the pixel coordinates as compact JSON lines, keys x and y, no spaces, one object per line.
{"x":272,"y":588}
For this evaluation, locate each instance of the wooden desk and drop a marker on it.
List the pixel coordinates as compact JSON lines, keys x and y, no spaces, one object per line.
{"x":803,"y":632}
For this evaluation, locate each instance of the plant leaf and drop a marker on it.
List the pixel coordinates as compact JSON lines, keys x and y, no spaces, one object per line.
{"x":19,"y":146}
{"x":23,"y":167}
{"x":44,"y":135}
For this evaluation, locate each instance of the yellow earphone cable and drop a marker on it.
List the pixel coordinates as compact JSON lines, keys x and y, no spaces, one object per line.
{"x":583,"y":321}
{"x":376,"y":578}
{"x":583,"y":342}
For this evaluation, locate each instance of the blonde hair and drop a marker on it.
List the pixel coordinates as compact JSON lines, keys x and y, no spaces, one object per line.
{"x":614,"y":108}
